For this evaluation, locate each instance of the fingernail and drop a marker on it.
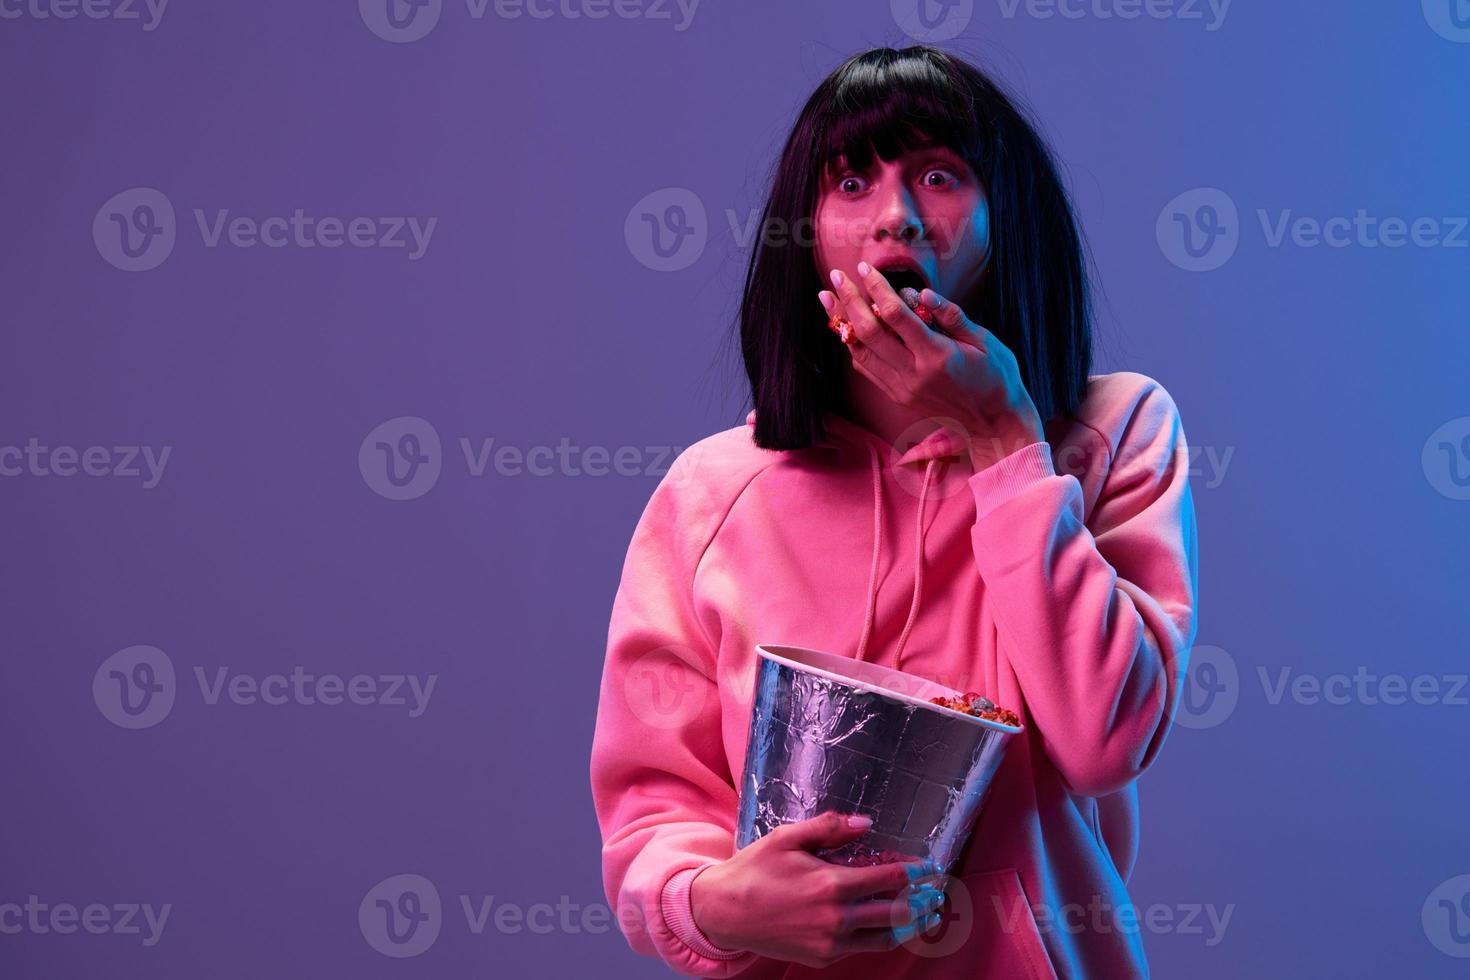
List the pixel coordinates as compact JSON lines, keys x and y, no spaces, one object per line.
{"x":828,"y":300}
{"x":864,"y":269}
{"x":930,"y":298}
{"x":837,"y":278}
{"x":931,"y":922}
{"x":922,"y":869}
{"x":859,"y":822}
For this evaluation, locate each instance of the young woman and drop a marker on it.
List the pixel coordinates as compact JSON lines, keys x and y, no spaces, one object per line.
{"x":935,"y":482}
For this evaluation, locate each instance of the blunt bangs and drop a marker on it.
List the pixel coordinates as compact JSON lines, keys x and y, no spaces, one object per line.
{"x":891,"y":107}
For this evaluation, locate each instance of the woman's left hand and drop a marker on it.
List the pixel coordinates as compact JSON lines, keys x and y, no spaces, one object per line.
{"x":968,"y":375}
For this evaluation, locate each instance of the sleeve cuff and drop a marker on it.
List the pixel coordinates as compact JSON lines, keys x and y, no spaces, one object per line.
{"x":674,"y":902}
{"x":1008,"y":476}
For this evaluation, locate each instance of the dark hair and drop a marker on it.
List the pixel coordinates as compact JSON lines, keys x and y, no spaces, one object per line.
{"x":1035,"y":297}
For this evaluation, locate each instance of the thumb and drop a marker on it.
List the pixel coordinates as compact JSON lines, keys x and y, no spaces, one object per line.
{"x":823,"y":830}
{"x":951,"y":319}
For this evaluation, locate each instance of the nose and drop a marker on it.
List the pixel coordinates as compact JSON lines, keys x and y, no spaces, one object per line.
{"x":897,"y":216}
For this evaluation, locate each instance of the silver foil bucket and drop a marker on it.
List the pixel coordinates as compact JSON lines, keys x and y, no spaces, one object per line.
{"x":832,"y":733}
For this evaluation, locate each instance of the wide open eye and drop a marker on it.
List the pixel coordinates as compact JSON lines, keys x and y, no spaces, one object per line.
{"x":947,"y":177}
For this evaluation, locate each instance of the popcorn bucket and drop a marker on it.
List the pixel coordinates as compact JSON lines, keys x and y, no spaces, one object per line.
{"x":832,"y":733}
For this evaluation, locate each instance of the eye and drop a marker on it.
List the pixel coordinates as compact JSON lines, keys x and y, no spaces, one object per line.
{"x":850,"y":184}
{"x":946,"y":176}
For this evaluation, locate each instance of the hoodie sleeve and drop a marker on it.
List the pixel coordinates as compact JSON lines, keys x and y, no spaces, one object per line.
{"x":661,"y":786}
{"x":1099,"y":616}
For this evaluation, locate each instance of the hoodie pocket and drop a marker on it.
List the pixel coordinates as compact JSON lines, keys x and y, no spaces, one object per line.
{"x":1003,"y":930}
{"x":988,"y":933}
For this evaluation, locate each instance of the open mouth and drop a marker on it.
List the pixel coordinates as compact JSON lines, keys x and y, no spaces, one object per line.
{"x":900,"y":276}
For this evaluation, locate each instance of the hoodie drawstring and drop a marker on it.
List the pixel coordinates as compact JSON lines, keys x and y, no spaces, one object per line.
{"x":877,"y":546}
{"x":877,"y":549}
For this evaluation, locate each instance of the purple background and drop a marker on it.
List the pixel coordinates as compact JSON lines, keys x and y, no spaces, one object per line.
{"x":1327,"y":544}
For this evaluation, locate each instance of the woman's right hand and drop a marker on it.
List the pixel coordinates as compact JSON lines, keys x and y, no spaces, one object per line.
{"x":776,"y":898}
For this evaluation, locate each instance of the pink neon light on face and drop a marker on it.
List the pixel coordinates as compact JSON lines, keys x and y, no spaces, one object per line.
{"x":926,"y":205}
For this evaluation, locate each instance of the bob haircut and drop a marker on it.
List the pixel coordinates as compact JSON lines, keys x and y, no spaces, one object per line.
{"x":1035,"y":293}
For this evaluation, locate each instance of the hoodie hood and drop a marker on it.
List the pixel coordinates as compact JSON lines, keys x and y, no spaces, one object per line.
{"x":940,"y":445}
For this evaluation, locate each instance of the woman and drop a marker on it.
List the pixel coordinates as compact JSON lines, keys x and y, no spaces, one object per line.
{"x":960,"y":501}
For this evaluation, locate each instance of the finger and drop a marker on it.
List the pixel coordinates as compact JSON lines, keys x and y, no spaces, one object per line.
{"x":875,"y":369}
{"x":936,"y":334}
{"x":864,"y":359}
{"x":869,"y":941}
{"x":823,"y":830}
{"x":902,"y":934}
{"x":856,"y":883}
{"x":872,"y":332}
{"x":910,"y":295}
{"x":879,"y":940}
{"x":837,"y":321}
{"x":888,"y":913}
{"x":952,"y":320}
{"x":894,"y":311}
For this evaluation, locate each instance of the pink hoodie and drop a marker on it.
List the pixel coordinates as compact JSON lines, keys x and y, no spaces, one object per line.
{"x":1062,"y":585}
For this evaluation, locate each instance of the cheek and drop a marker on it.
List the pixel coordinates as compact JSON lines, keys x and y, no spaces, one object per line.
{"x":980,"y":227}
{"x":962,"y":234}
{"x":837,"y":237}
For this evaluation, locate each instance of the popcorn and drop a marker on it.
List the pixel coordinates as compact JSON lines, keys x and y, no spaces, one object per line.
{"x":842,"y":327}
{"x":972,"y":703}
{"x":911,"y":297}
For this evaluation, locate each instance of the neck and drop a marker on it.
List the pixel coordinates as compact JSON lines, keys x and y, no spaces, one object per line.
{"x":879,"y":414}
